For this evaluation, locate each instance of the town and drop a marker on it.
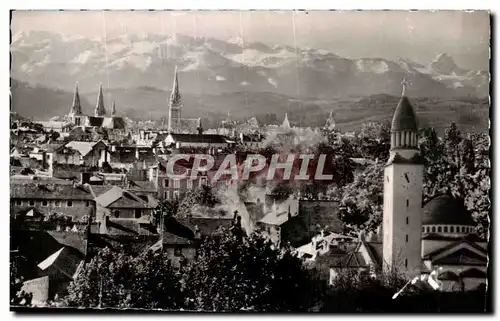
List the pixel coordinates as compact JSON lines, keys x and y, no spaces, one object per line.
{"x":179,"y":214}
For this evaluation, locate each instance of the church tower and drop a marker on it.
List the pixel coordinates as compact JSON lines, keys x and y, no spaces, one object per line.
{"x":174,"y":108}
{"x":286,"y":123}
{"x":403,"y":180}
{"x":113,"y":109}
{"x":99,"y":108}
{"x":76,"y":108}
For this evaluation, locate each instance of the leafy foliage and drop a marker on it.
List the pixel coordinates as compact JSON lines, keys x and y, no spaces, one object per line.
{"x":117,"y":280}
{"x":231,"y":275}
{"x":201,"y":196}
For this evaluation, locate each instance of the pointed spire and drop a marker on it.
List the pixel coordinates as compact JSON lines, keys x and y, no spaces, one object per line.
{"x":175,"y":96}
{"x":330,"y":122}
{"x":199,"y":128}
{"x":113,"y":109}
{"x":99,"y":108}
{"x":286,"y":123}
{"x":76,"y":108}
{"x":404,"y":83}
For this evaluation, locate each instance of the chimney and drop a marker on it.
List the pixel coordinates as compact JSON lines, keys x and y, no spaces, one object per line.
{"x":85,"y":178}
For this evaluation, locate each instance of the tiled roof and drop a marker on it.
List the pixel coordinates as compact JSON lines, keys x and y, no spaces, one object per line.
{"x":117,"y":197}
{"x":142,"y":186}
{"x":113,"y":123}
{"x":52,"y":191}
{"x":206,"y":225}
{"x":123,"y":226}
{"x":65,"y":260}
{"x":82,"y":147}
{"x":404,"y":117}
{"x":196,"y":138}
{"x":446,"y":210}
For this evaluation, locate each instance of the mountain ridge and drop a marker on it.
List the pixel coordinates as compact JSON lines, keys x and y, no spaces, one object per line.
{"x":214,"y":66}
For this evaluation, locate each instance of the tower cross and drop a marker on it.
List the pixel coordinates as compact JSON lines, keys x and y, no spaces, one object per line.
{"x":404,"y":83}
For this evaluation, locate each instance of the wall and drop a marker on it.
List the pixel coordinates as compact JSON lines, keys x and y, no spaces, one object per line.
{"x":189,"y":252}
{"x":402,"y":219}
{"x":78,"y":209}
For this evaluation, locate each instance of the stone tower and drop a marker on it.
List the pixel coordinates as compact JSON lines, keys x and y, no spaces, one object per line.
{"x":286,"y":123}
{"x":403,"y":180}
{"x":174,"y":107}
{"x":113,"y":109}
{"x":76,"y":108}
{"x":99,"y":108}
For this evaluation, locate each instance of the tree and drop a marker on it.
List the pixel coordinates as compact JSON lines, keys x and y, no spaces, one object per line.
{"x":362,"y":200}
{"x":116,"y":280}
{"x":231,"y":275}
{"x":374,"y":140}
{"x":201,"y":196}
{"x":17,"y":296}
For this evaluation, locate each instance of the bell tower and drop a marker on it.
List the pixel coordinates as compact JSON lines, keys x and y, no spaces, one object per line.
{"x":403,"y":180}
{"x":174,"y":107}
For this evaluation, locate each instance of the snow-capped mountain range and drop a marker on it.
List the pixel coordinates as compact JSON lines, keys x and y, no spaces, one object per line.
{"x":213,"y":66}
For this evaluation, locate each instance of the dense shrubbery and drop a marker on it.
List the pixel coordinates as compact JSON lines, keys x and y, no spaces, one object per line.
{"x":231,"y":275}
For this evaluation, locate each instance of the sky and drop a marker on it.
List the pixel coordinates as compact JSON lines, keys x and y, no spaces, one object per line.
{"x":419,"y":36}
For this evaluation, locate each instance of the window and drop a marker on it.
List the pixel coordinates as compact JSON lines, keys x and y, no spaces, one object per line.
{"x":177,"y":183}
{"x":452,"y":229}
{"x":138,"y":213}
{"x":463,"y":229}
{"x":439,"y":229}
{"x":32,"y":203}
{"x":433,"y":229}
{"x":45,"y":203}
{"x":19,"y":202}
{"x":189,"y":183}
{"x":407,"y":220}
{"x":57,"y":203}
{"x":69,"y":203}
{"x":406,"y":238}
{"x":423,"y":229}
{"x":177,"y":251}
{"x":406,"y":263}
{"x":165,"y":195}
{"x":407,"y":202}
{"x":87,"y":204}
{"x":176,"y":194}
{"x":165,"y":183}
{"x":445,"y":229}
{"x":203,"y":181}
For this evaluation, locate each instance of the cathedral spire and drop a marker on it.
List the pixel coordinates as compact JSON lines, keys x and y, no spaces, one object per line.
{"x":286,"y":123}
{"x":330,"y":122}
{"x":99,"y":108}
{"x":113,"y":109}
{"x":175,"y":95}
{"x":76,"y":108}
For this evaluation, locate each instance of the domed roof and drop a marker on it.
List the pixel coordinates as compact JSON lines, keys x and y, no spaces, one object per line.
{"x":404,"y":117}
{"x":446,"y":210}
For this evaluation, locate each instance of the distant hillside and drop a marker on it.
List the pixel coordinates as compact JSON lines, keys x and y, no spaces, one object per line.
{"x":470,"y":113}
{"x":41,"y":102}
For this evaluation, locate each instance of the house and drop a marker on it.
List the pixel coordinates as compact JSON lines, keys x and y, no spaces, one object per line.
{"x":80,"y":153}
{"x":296,"y":221}
{"x":197,"y":141}
{"x":117,"y":203}
{"x":178,"y":241}
{"x":168,"y":188}
{"x":73,"y":200}
{"x":252,"y":141}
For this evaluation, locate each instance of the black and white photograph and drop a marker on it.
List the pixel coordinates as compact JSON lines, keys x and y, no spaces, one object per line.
{"x":250,"y":161}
